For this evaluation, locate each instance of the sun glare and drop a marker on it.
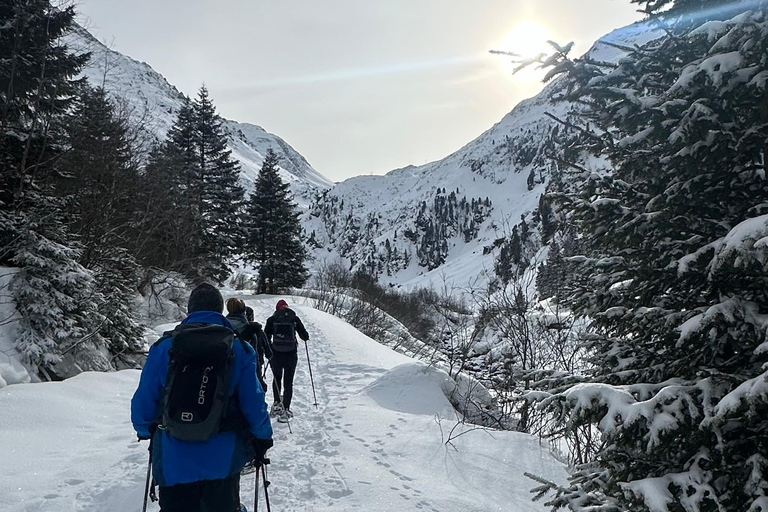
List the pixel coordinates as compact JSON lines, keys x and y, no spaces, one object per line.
{"x":527,"y":39}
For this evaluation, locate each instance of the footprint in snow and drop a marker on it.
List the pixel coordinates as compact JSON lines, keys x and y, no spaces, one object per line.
{"x":401,"y":476}
{"x":339,"y":494}
{"x":307,"y":494}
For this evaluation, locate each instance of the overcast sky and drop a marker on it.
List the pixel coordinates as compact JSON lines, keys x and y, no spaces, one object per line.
{"x":356,"y":86}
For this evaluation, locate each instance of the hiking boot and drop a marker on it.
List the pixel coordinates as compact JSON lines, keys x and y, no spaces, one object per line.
{"x":289,"y":413}
{"x":242,"y":508}
{"x":276,"y":410}
{"x":284,"y":416}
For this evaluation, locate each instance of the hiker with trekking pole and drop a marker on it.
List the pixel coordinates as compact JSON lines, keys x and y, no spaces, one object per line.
{"x":281,"y":330}
{"x":201,"y":406}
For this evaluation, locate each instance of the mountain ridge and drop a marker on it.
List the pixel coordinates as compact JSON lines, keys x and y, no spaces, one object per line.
{"x":414,"y":226}
{"x":406,"y":230}
{"x":154,"y":102}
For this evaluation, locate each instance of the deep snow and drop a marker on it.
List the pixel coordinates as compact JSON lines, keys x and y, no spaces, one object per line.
{"x":374,"y":443}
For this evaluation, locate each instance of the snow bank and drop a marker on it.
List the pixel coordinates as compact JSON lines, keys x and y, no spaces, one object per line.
{"x":415,"y":388}
{"x":64,"y":443}
{"x":11,"y":370}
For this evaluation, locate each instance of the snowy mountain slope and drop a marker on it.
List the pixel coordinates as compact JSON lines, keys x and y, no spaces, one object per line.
{"x":373,"y":444}
{"x":422,"y":225}
{"x":154,"y":103}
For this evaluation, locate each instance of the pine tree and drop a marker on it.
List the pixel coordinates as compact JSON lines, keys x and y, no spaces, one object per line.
{"x":195,"y":191}
{"x":97,"y":177}
{"x":221,"y":195}
{"x":36,"y":89}
{"x":100,"y":185}
{"x":171,"y":230}
{"x":676,"y":277}
{"x":54,"y":294}
{"x":274,"y":231}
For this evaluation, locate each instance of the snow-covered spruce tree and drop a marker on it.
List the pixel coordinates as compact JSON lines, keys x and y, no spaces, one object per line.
{"x":677,"y":274}
{"x":117,"y":280}
{"x":54,"y":294}
{"x":36,"y":90}
{"x":274,"y":231}
{"x":56,"y":299}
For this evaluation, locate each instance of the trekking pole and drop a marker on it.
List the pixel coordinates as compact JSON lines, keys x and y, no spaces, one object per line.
{"x":266,"y":483}
{"x":149,"y":474}
{"x":311,"y":379}
{"x":256,"y":497}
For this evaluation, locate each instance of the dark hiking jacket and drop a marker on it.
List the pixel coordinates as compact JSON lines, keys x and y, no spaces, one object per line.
{"x":285,"y":315}
{"x":252,"y":333}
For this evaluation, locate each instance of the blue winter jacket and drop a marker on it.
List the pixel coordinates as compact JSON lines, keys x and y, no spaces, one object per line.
{"x":178,"y":462}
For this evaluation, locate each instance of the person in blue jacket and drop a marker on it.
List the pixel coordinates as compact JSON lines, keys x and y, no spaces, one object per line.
{"x":202,"y":476}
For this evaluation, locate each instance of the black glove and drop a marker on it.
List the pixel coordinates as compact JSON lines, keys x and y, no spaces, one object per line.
{"x":260,"y":447}
{"x":152,"y":429}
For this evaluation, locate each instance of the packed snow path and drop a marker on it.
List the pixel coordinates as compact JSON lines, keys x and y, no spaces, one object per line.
{"x":372,"y":444}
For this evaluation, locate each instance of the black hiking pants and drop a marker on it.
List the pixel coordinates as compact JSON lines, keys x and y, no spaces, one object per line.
{"x":204,"y":496}
{"x":283,"y":368}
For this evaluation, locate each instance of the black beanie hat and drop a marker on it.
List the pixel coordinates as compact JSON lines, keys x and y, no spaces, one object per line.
{"x":205,"y":297}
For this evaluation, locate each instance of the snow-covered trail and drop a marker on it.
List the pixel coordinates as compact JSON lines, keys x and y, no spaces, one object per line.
{"x":373,"y":443}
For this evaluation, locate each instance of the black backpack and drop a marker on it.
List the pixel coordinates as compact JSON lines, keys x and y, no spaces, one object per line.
{"x":284,"y":332}
{"x":196,"y":394}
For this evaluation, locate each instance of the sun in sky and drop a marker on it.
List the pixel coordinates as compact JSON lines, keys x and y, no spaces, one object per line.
{"x":526,"y":39}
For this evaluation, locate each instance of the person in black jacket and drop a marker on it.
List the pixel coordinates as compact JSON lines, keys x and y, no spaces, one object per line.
{"x":241,"y":318}
{"x":281,"y":330}
{"x":260,"y":343}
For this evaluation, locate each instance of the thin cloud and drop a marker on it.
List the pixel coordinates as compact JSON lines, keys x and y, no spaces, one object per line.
{"x":359,"y":73}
